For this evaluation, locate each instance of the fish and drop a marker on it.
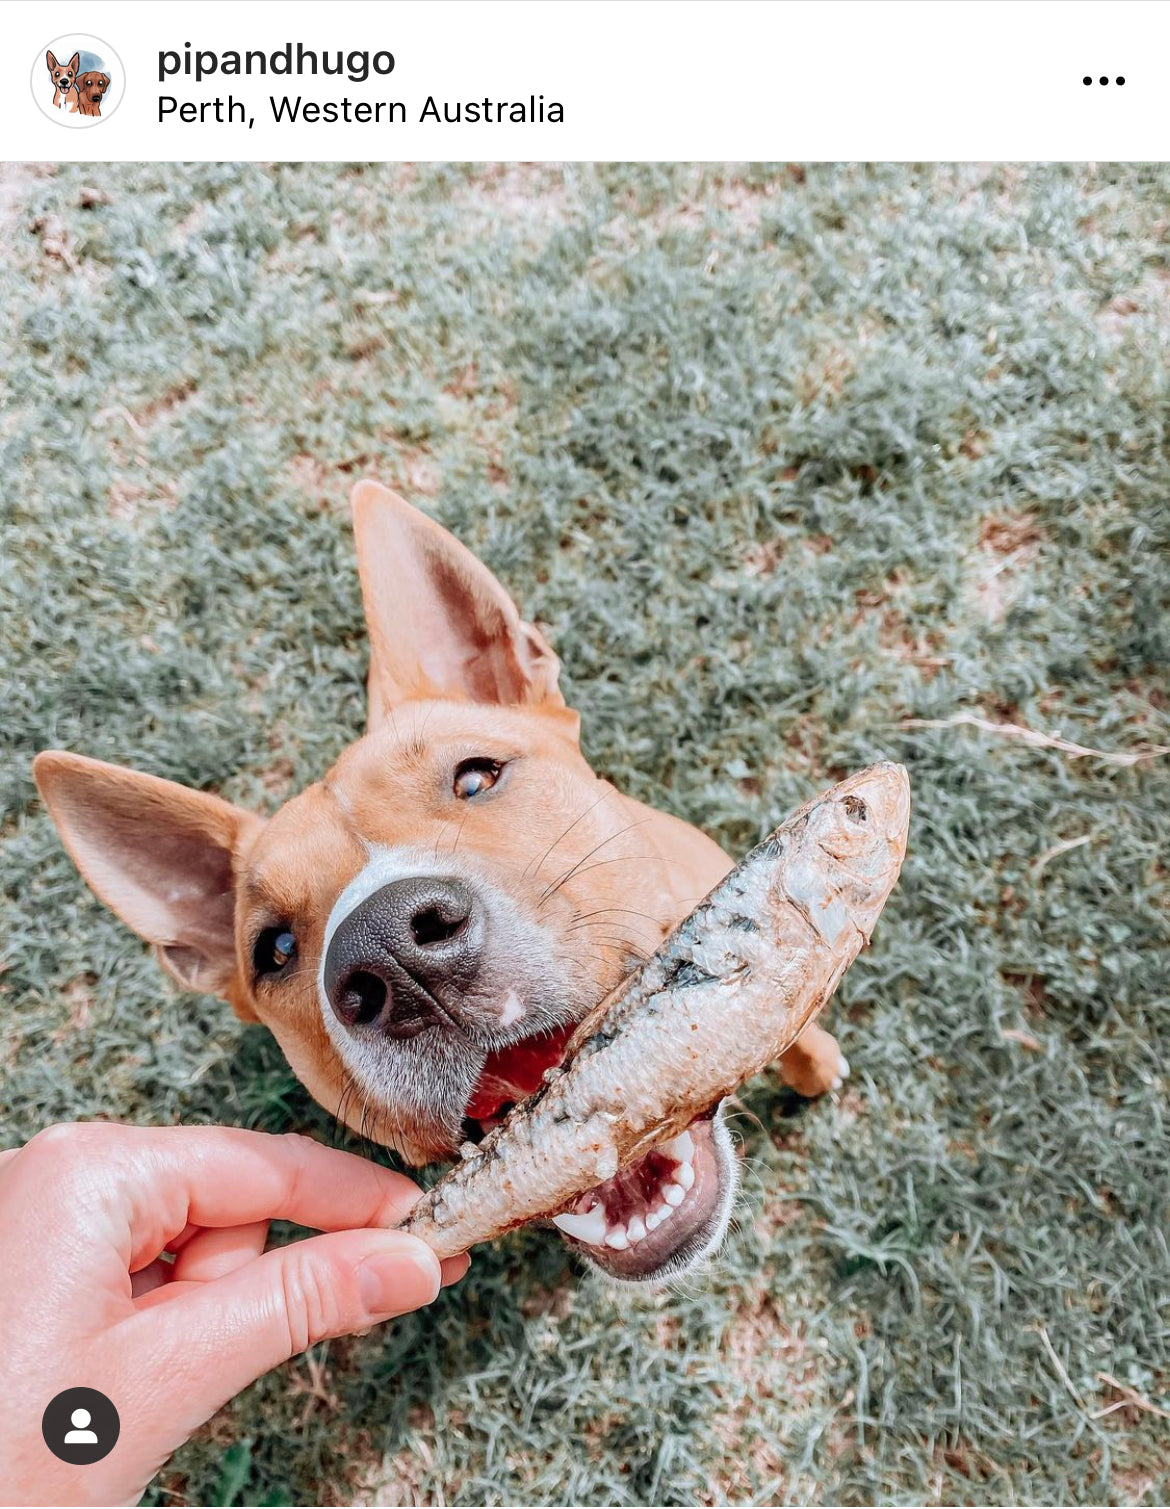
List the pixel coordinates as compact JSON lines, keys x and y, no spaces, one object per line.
{"x":729,"y":990}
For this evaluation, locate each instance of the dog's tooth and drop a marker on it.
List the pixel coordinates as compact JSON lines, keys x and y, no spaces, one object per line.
{"x":674,"y":1194}
{"x":681,"y":1148}
{"x":590,"y":1227}
{"x":635,"y":1228}
{"x":653,"y":1220}
{"x":684,"y":1174}
{"x":664,"y":1212}
{"x":617,"y":1239}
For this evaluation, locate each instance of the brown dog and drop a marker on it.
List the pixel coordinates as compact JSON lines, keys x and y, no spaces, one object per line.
{"x":64,"y":77}
{"x":423,"y":928}
{"x":91,"y":89}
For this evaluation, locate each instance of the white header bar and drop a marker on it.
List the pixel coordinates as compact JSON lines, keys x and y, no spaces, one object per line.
{"x":603,"y":79}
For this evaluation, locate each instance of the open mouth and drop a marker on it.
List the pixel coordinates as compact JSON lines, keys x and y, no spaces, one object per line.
{"x":654,"y":1218}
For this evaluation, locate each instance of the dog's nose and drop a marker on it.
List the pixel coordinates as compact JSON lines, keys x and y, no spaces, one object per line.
{"x":401,"y":952}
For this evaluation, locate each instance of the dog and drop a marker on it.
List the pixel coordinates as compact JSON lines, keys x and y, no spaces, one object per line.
{"x":423,"y":928}
{"x":64,"y":77}
{"x":91,"y":88}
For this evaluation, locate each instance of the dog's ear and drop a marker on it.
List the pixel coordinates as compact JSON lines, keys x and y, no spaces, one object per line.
{"x":440,"y":623}
{"x":50,"y":60}
{"x":75,"y":63}
{"x":161,"y":856}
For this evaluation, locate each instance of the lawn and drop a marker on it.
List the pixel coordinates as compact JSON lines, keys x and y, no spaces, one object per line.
{"x":786,"y":460}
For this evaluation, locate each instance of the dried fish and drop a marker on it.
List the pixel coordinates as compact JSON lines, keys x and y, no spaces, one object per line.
{"x":630,"y":1113}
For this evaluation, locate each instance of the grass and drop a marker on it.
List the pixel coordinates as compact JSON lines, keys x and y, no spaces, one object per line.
{"x":782,"y":458}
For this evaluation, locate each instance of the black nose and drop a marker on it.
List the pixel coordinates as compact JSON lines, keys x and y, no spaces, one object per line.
{"x":403,"y":952}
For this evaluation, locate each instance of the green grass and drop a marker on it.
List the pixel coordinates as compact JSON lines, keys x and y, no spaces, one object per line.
{"x":782,"y":457}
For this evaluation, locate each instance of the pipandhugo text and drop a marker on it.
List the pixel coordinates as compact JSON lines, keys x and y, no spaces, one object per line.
{"x":200,"y":63}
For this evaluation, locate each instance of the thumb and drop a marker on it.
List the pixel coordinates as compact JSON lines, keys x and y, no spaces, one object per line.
{"x":214,"y":1340}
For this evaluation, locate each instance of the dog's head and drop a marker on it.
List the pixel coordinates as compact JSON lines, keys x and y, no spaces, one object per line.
{"x":422,"y":929}
{"x":91,"y":87}
{"x":63,"y":74}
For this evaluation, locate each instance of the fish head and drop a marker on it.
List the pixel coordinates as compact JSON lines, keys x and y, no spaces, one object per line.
{"x":849,"y":847}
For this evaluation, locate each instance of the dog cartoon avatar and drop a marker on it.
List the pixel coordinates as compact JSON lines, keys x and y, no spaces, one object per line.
{"x":424,"y":927}
{"x":90,"y":89}
{"x":64,"y":76}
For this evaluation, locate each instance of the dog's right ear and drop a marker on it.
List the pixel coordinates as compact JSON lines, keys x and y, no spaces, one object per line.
{"x":440,"y":623}
{"x":51,"y":61}
{"x":161,"y":856}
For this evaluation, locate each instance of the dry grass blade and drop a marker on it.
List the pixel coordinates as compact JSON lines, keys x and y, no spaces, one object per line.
{"x":1065,"y":847}
{"x":1129,"y":1396}
{"x":1030,"y":736}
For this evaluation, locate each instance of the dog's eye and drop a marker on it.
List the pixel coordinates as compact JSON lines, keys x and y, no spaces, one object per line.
{"x":274,"y":948}
{"x":475,"y":776}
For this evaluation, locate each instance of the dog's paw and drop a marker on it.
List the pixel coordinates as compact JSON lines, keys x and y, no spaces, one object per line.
{"x":814,"y":1064}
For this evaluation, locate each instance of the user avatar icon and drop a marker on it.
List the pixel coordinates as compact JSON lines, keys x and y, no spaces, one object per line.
{"x":80,"y":1426}
{"x":81,"y":1435}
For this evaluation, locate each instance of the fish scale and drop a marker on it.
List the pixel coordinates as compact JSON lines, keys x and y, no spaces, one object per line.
{"x":730,"y":989}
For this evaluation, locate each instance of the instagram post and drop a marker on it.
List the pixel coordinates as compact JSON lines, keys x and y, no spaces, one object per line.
{"x":584,"y":645}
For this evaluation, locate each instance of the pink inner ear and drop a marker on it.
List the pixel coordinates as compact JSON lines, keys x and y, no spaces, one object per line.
{"x":440,"y":623}
{"x":158,"y":854}
{"x":167,"y":877}
{"x":470,"y":646}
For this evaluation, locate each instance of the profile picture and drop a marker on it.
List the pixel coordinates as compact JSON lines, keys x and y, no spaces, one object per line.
{"x":77,"y":80}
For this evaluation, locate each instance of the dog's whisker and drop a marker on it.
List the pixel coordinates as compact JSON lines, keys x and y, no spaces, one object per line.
{"x":349,"y":1090}
{"x":579,"y":818}
{"x":629,"y":910}
{"x":644,"y":938}
{"x":459,"y":835}
{"x":439,"y":836}
{"x":573,"y":869}
{"x":587,"y":927}
{"x":621,"y":859}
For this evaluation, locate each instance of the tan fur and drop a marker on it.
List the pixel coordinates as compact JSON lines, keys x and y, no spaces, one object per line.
{"x":454,"y":671}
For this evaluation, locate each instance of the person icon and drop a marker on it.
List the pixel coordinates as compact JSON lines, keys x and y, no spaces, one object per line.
{"x":80,"y":1425}
{"x":81,"y":1435}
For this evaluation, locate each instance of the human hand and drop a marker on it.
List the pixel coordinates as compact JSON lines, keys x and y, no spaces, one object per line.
{"x":87,"y":1301}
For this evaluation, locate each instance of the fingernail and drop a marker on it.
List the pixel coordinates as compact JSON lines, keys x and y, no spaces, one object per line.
{"x":455,"y":1267}
{"x":402,"y":1278}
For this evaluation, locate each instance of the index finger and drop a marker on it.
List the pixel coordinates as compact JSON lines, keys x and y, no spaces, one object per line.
{"x":151,"y":1183}
{"x":228,"y":1177}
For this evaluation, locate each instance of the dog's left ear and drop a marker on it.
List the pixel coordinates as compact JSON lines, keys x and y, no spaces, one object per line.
{"x":163,"y":857}
{"x":440,"y":623}
{"x":75,"y":64}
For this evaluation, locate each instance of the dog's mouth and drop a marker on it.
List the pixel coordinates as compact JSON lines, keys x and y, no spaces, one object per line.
{"x":653,"y":1219}
{"x":662,"y":1214}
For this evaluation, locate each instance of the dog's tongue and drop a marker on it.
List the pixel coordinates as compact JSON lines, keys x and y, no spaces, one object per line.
{"x":511,"y":1073}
